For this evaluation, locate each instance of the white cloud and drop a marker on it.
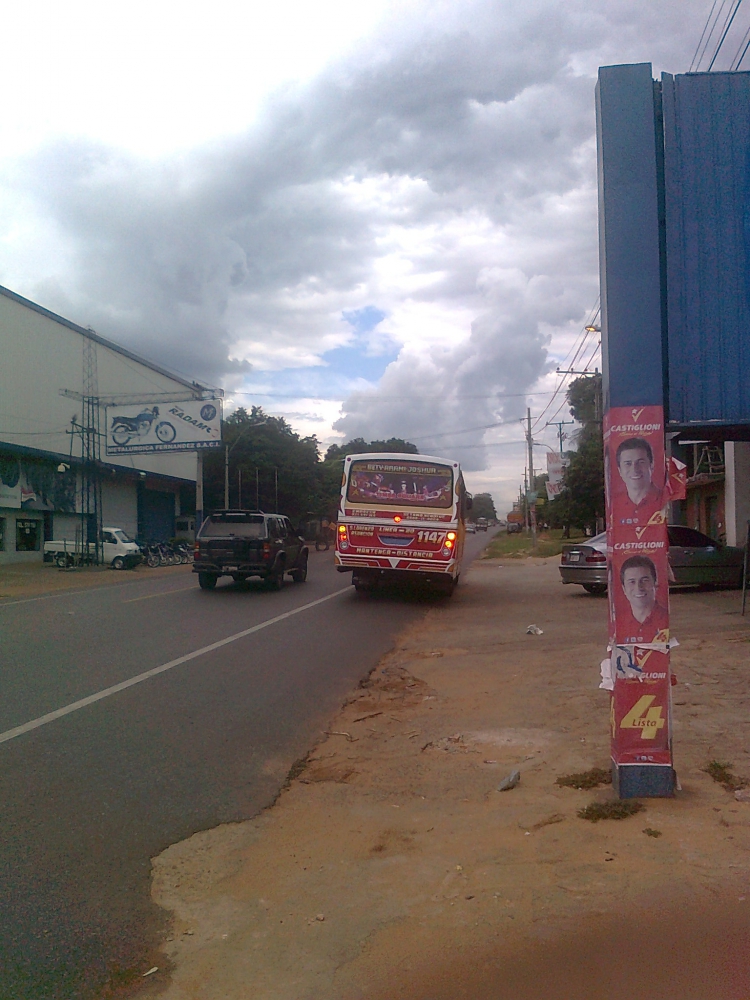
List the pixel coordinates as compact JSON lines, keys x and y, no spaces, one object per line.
{"x":216,"y":192}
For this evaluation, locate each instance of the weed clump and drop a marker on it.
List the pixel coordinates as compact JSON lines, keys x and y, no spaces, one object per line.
{"x":721,"y":772}
{"x":651,"y":832}
{"x":610,"y":810}
{"x":586,"y":779}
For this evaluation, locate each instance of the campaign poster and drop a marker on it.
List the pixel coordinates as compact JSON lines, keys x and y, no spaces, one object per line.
{"x":637,"y":494}
{"x":640,"y":706}
{"x":634,"y":468}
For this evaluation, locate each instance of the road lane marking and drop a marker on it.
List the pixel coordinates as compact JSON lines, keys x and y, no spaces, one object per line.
{"x":161,"y":593}
{"x":75,"y":706}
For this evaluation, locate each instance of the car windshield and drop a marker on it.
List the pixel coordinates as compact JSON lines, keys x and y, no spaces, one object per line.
{"x":122,"y":535}
{"x":400,"y":483}
{"x":239,"y":525}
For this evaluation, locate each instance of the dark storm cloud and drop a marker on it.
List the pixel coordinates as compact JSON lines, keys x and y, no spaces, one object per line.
{"x":482,"y":117}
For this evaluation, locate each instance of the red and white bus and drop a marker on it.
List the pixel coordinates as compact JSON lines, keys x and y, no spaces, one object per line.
{"x":401,"y":517}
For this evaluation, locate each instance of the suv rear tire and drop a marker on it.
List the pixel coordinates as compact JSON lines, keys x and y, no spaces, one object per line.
{"x":207,"y":581}
{"x":276,"y":579}
{"x":299,"y":575}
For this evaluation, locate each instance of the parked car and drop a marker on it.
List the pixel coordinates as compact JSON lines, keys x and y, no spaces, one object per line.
{"x":694,"y":557}
{"x":118,"y":550}
{"x":245,"y":543}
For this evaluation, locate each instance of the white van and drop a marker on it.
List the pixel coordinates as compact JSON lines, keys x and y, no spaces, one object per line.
{"x":120,"y":551}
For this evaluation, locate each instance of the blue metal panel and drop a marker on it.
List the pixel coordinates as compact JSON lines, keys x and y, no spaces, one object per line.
{"x":629,"y":259}
{"x":707,"y":193}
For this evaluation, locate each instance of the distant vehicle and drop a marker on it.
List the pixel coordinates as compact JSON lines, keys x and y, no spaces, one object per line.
{"x":245,"y":543}
{"x":694,"y":557}
{"x":118,"y":550}
{"x":471,"y":528}
{"x":401,"y":517}
{"x":481,"y":524}
{"x":515,"y":520}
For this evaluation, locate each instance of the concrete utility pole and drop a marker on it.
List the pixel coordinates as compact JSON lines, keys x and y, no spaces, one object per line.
{"x":530,"y":445}
{"x":559,"y":424}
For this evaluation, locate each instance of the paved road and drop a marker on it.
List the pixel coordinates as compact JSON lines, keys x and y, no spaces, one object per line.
{"x":131,"y":717}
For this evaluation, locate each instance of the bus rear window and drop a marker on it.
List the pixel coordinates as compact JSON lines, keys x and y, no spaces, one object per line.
{"x":239,"y":525}
{"x":400,"y":484}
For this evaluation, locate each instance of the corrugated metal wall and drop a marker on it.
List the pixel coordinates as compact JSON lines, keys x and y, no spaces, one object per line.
{"x":707,"y":195}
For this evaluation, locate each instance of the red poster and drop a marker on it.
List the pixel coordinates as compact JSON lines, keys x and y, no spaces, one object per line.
{"x":640,"y":707}
{"x":637,"y":495}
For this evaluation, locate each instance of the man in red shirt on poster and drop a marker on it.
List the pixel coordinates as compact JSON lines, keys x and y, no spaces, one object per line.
{"x":645,"y":620}
{"x":635,"y":463}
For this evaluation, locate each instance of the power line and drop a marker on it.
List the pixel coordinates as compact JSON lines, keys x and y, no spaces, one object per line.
{"x":728,"y":25}
{"x":705,"y":27}
{"x":744,"y":44}
{"x":339,"y":399}
{"x":710,"y":33}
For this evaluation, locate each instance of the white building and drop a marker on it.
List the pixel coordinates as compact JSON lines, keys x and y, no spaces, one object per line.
{"x":41,"y":355}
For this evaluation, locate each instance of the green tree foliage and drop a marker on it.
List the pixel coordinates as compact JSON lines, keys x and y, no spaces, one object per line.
{"x":358,"y":446}
{"x":483,"y":506}
{"x":265,"y":450}
{"x":581,"y":503}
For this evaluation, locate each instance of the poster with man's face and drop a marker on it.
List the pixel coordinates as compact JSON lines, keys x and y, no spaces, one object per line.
{"x":640,"y":585}
{"x":634,"y":468}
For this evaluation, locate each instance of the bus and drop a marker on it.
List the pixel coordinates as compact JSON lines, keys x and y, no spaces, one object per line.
{"x":401,"y":517}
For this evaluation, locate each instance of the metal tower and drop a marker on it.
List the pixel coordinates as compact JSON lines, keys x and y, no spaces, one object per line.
{"x":91,"y":486}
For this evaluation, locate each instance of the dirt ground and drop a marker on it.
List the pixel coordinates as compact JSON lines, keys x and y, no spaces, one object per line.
{"x":24,"y":580}
{"x":391,"y":867}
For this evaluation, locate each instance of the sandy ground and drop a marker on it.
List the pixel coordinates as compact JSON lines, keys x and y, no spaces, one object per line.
{"x":25,"y":580}
{"x":391,"y":866}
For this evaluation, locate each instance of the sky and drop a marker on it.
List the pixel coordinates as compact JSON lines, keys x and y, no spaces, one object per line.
{"x":375,"y":218}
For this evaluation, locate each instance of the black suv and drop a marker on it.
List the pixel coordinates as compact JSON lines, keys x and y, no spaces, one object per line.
{"x":244,"y":543}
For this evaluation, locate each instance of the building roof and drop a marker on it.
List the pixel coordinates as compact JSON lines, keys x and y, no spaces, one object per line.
{"x":192,"y":385}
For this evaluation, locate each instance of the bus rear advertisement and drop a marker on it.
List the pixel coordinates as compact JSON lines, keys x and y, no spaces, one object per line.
{"x":401,"y":517}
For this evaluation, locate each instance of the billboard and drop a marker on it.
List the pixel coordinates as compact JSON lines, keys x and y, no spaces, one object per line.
{"x":144,"y":428}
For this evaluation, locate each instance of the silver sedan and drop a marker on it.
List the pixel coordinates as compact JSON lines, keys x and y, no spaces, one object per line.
{"x":695,"y":559}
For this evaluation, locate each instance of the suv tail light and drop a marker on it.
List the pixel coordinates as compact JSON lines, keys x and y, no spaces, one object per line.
{"x":266,"y":550}
{"x":598,"y":557}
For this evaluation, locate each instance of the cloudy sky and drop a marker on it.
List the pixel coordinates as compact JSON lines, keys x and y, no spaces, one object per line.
{"x":375,"y":217}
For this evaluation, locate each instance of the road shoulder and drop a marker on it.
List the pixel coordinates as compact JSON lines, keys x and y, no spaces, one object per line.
{"x":391,"y":866}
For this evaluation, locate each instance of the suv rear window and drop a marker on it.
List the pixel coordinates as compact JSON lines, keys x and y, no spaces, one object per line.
{"x":237,"y":525}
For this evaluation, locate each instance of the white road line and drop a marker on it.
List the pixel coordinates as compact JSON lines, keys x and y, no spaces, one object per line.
{"x":69,"y":593}
{"x":43,"y":720}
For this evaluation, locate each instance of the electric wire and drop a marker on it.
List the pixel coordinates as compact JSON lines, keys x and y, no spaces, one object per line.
{"x":700,"y":40}
{"x":743,"y":46}
{"x":728,"y":25}
{"x":710,"y":34}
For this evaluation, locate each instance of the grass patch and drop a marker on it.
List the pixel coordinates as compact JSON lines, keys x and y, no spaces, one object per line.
{"x":651,"y":832}
{"x":586,"y":779}
{"x":610,"y":810}
{"x":721,"y":772}
{"x":518,"y":546}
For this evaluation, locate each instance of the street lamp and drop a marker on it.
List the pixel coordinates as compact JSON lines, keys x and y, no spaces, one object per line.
{"x":227,"y":449}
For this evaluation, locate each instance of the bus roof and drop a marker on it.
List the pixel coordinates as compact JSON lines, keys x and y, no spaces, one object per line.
{"x":402,"y":456}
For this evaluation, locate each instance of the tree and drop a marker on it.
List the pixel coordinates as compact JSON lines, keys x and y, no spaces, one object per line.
{"x":581,"y":503}
{"x":358,"y":446}
{"x":483,"y":506}
{"x":263,"y":459}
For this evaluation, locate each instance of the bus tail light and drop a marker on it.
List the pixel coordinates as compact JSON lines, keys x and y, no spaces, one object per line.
{"x":448,"y":546}
{"x":451,"y":536}
{"x":343,"y":538}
